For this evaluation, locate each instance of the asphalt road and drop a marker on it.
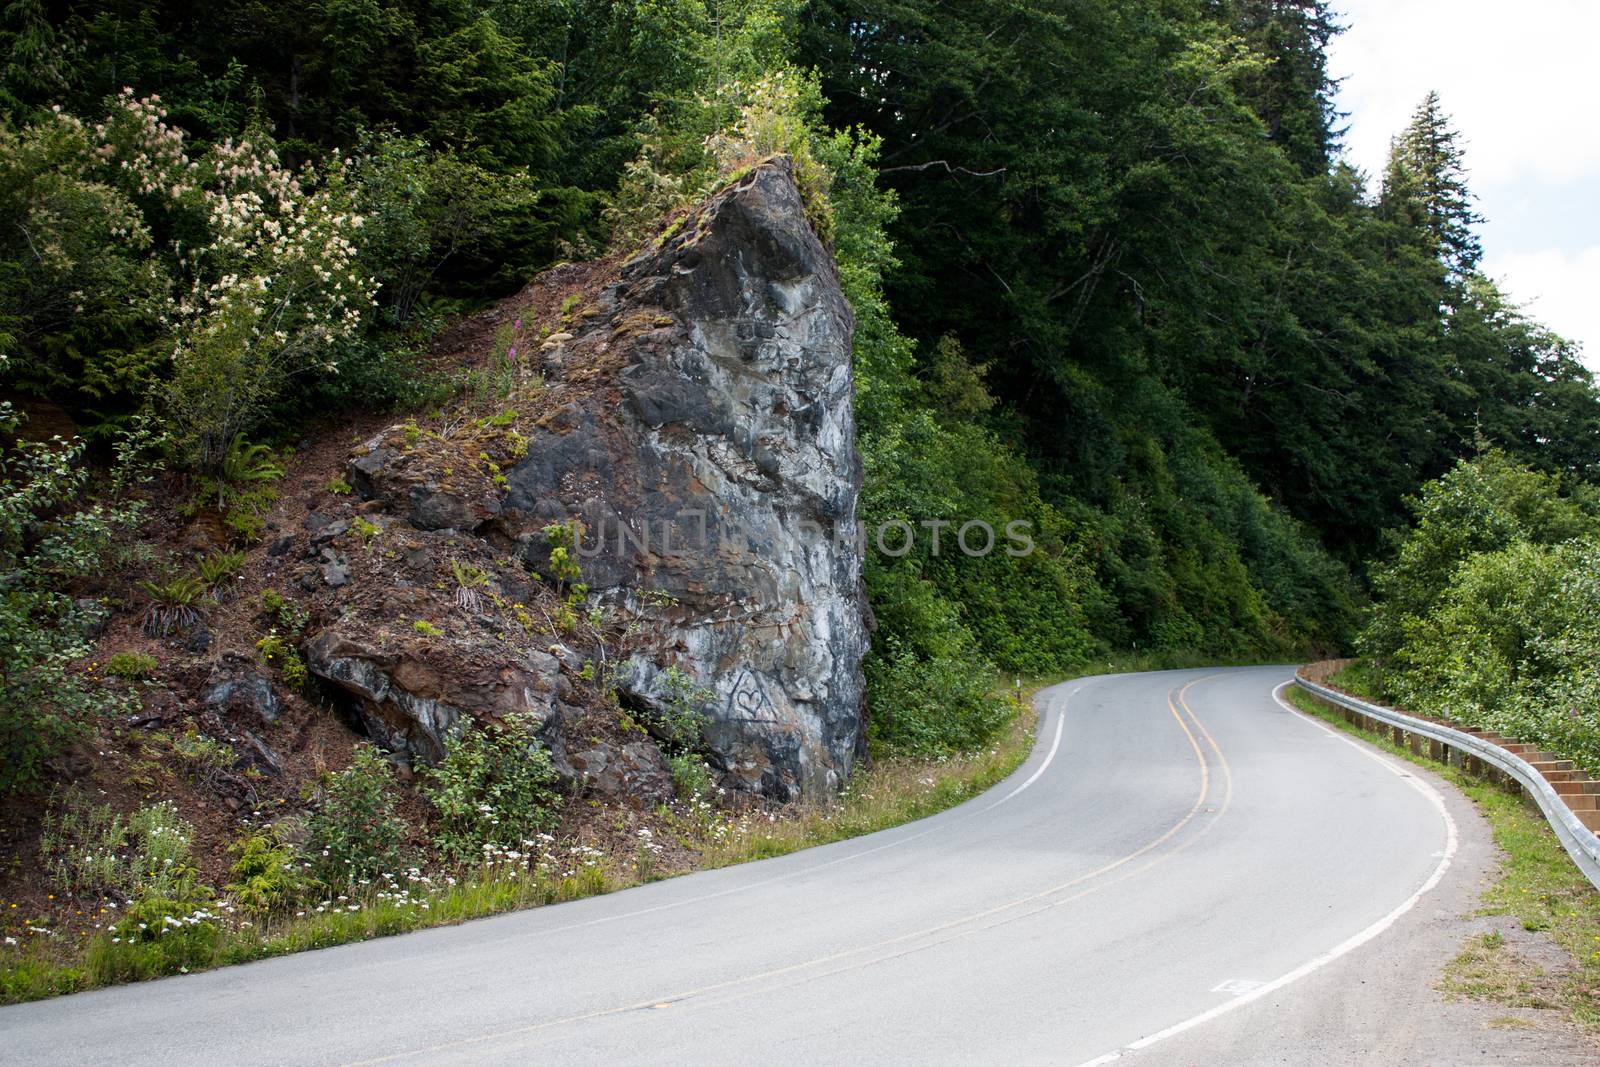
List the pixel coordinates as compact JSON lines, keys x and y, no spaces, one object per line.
{"x":1180,"y":851}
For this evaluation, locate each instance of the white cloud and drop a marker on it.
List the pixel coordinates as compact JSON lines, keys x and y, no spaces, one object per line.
{"x":1518,"y":78}
{"x":1560,"y":289}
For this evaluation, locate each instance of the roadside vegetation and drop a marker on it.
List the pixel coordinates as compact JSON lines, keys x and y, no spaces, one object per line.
{"x":1488,"y":612}
{"x":1538,"y":886}
{"x":352,"y":878}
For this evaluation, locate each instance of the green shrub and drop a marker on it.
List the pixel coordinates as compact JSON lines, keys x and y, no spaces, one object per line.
{"x":1489,"y":612}
{"x":131,"y":666}
{"x":245,"y":488}
{"x":469,"y":580}
{"x":246,"y":516}
{"x":204,"y":758}
{"x":366,"y":530}
{"x":339,"y":487}
{"x":691,"y":777}
{"x":171,"y":605}
{"x":1512,"y":646}
{"x":931,"y":707}
{"x":1482,"y":505}
{"x":52,"y":534}
{"x":218,"y":569}
{"x":354,"y":832}
{"x":281,"y":653}
{"x":158,"y":935}
{"x":267,"y":876}
{"x":679,"y":719}
{"x":495,"y":787}
{"x":291,"y":616}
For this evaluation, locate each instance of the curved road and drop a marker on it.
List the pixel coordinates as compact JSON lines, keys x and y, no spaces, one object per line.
{"x":1180,"y":845}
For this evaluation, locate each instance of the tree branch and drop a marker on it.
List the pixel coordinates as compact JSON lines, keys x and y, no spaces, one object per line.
{"x":946,"y":165}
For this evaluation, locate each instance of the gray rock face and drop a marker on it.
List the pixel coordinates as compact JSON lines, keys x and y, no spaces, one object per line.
{"x":696,"y":426}
{"x":723,"y":474}
{"x":410,"y":701}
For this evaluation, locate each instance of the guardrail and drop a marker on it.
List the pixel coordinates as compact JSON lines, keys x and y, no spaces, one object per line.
{"x":1579,"y":841}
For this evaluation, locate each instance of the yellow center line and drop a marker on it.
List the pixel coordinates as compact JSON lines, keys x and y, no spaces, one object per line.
{"x":926,"y":932}
{"x":1227,"y":772}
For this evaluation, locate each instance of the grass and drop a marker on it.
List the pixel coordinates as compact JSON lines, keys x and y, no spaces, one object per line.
{"x":1538,"y":885}
{"x":890,"y":792}
{"x":1487,"y":969}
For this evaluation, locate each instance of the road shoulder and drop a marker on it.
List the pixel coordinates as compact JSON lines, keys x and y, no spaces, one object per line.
{"x":1414,"y":994}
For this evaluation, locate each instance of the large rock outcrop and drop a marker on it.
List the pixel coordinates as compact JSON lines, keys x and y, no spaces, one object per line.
{"x":695,"y":423}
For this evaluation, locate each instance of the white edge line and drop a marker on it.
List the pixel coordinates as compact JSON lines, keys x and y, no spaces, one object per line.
{"x":1055,"y":745}
{"x":1342,"y":948}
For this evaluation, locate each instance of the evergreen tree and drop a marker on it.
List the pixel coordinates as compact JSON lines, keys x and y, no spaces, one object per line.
{"x":35,"y":60}
{"x":1427,"y":177}
{"x":1294,"y":94}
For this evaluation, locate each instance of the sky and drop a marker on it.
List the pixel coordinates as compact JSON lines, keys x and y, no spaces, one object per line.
{"x":1518,"y":81}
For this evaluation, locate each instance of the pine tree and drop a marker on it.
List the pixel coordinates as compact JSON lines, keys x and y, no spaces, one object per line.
{"x":1293,"y":95}
{"x":34,"y":59}
{"x":1427,"y":178}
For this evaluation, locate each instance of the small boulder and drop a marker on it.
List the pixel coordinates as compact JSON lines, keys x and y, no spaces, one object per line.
{"x":336,"y":572}
{"x":635,"y":770}
{"x":364,"y":469}
{"x":237,"y":685}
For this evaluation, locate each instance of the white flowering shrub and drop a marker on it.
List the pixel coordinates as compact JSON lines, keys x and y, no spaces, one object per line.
{"x":241,"y":272}
{"x":268,"y":274}
{"x":82,"y":294}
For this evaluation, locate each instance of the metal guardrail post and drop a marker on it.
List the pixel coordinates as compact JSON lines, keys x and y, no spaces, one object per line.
{"x":1579,"y":841}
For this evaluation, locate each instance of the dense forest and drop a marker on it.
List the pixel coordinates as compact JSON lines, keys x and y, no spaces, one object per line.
{"x":1110,"y":276}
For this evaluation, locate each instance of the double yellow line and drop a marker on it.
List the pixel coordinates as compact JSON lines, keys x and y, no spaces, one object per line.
{"x":1205,"y":770}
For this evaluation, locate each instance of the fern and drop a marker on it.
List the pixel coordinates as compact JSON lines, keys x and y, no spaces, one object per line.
{"x":171,"y":605}
{"x":245,"y":464}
